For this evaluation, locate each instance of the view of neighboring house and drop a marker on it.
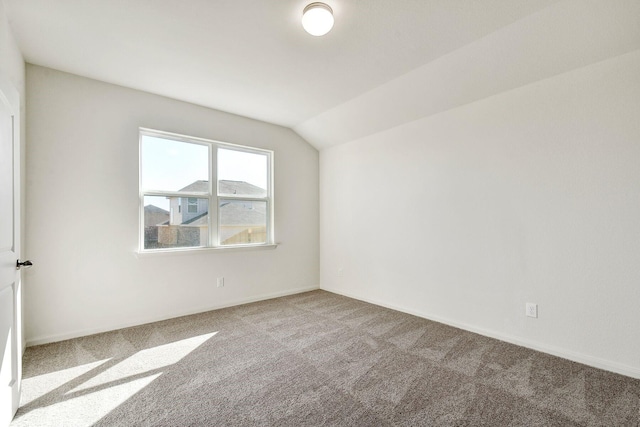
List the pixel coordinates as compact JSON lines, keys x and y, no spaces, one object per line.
{"x":187,"y":223}
{"x":153,"y":216}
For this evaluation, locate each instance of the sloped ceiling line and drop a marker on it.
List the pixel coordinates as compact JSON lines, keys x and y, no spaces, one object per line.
{"x":384,"y":63}
{"x":558,"y":39}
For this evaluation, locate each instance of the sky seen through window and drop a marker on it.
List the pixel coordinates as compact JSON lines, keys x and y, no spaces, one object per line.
{"x":169,"y":165}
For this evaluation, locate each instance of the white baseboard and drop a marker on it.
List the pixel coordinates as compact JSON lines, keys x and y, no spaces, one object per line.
{"x":592,"y":361}
{"x":84,"y":332}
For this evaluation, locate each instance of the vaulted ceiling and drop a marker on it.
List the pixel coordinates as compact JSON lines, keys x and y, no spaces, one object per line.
{"x":386,"y":62}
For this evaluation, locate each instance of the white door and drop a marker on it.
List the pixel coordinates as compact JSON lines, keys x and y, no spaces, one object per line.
{"x":10,"y":293}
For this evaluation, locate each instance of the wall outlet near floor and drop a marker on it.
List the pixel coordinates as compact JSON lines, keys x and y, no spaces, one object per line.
{"x":531,"y":309}
{"x":340,"y":272}
{"x":221,"y":282}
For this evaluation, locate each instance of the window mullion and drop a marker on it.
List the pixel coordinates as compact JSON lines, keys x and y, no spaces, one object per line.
{"x":213,"y":195}
{"x":270,"y":225}
{"x":182,"y":194}
{"x":240,"y":197}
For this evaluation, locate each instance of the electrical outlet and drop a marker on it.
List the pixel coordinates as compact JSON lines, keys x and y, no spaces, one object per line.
{"x":340,"y":272}
{"x":221,"y":282}
{"x":531,"y":309}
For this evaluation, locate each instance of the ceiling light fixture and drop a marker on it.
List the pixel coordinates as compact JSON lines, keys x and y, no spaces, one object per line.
{"x":317,"y":19}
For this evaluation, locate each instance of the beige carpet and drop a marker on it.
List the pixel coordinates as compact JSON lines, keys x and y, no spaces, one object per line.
{"x":309,"y":360}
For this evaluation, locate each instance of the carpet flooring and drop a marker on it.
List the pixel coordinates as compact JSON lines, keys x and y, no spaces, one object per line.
{"x":312,"y":359}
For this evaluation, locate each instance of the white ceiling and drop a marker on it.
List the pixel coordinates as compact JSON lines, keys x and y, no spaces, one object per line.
{"x":384,"y":63}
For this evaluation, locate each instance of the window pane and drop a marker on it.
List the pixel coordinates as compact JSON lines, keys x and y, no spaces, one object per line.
{"x":169,"y":222}
{"x":242,"y":222}
{"x":169,"y":165}
{"x":192,"y":205}
{"x":241,"y":173}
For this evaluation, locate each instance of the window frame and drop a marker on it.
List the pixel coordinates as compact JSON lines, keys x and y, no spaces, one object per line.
{"x":212,"y":194}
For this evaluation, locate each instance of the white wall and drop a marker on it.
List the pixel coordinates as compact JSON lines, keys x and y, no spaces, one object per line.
{"x":82,"y":221}
{"x":11,"y":62}
{"x":532,"y":195}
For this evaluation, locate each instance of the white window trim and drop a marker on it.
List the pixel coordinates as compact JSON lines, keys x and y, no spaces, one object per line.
{"x":203,"y":249}
{"x":212,"y":195}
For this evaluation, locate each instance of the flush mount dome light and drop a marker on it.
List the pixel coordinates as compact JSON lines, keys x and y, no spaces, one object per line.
{"x":317,"y":19}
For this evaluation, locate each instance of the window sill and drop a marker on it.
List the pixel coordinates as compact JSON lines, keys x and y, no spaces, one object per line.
{"x":191,"y":251}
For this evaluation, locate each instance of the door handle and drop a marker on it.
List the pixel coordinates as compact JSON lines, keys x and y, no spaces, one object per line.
{"x":25,"y":264}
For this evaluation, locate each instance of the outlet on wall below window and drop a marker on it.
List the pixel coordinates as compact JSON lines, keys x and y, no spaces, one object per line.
{"x":531,"y":309}
{"x":221,"y":282}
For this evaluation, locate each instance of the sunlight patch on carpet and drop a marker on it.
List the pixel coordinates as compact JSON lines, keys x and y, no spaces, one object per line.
{"x":39,"y":385}
{"x":86,"y":409}
{"x":145,"y":361}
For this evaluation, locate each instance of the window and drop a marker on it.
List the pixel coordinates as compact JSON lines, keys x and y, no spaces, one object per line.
{"x":199,"y":193}
{"x":193,"y":205}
